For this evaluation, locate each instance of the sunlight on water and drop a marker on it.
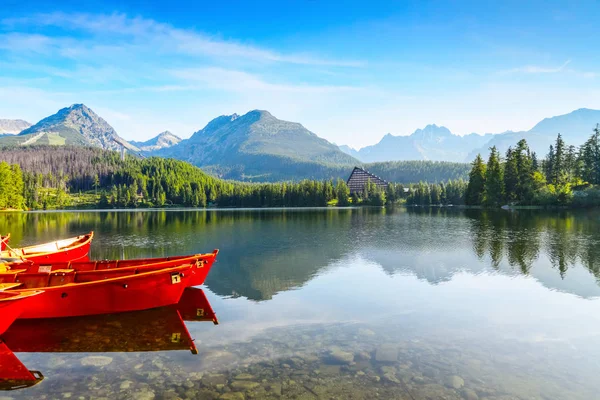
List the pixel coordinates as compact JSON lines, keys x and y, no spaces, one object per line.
{"x":408,"y":304}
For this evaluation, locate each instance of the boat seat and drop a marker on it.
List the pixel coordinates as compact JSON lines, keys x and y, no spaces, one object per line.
{"x":61,"y":277}
{"x":13,"y":271}
{"x":8,"y":286}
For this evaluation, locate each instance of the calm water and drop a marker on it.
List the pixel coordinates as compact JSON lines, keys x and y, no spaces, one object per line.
{"x":350,"y":304}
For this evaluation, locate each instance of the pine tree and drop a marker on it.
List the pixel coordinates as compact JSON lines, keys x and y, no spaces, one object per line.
{"x":476,"y":186}
{"x":589,"y":158}
{"x":524,"y":171}
{"x":549,"y":164}
{"x":494,"y":179}
{"x":559,"y":173}
{"x":511,"y":175}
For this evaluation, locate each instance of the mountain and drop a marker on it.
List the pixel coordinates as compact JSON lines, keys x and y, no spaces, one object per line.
{"x":76,"y":125}
{"x":349,"y":150}
{"x":12,"y":126}
{"x":435,"y":143}
{"x":575,"y":127}
{"x":161,"y":141}
{"x":259,"y":147}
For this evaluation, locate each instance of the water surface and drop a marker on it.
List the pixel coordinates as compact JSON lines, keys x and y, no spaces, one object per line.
{"x":352,"y":303}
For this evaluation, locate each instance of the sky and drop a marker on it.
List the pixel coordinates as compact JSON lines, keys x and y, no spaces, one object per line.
{"x":349,"y":71}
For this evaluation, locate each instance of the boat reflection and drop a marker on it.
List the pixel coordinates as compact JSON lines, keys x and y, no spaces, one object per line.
{"x":159,"y":329}
{"x":13,"y":374}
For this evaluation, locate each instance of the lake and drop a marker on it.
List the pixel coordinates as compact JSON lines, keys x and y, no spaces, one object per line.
{"x":348,"y":304}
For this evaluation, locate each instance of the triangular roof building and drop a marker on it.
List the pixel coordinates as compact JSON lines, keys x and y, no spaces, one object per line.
{"x":359,"y":178}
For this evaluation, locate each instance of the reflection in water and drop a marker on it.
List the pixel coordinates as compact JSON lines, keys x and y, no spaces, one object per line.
{"x":159,"y":329}
{"x":269,"y":251}
{"x":356,"y":303}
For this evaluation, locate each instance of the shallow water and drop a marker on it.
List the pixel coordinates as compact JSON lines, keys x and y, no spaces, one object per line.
{"x":352,"y":303}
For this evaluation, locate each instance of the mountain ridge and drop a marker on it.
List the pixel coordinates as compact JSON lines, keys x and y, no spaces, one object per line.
{"x":438,"y":143}
{"x":12,"y":126}
{"x":76,"y":124}
{"x":257,"y":144}
{"x":162,"y":140}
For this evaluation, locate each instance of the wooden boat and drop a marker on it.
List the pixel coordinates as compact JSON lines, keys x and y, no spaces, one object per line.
{"x":13,"y":304}
{"x":70,"y":294}
{"x":34,"y":275}
{"x":4,"y":241}
{"x":72,"y":249}
{"x":13,"y":374}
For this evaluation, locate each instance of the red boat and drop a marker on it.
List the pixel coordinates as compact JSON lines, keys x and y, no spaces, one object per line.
{"x":34,"y":275}
{"x":65,"y":250}
{"x":90,"y":293}
{"x":13,"y":304}
{"x":4,"y":241}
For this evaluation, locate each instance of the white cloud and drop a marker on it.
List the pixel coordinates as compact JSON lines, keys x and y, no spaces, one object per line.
{"x":159,"y":37}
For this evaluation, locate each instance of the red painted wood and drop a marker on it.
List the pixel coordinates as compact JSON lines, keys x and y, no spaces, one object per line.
{"x":79,"y":250}
{"x":124,"y":293}
{"x":4,"y":241}
{"x":12,"y":305}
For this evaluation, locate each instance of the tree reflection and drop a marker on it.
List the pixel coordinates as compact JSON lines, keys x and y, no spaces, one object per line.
{"x":523,"y":237}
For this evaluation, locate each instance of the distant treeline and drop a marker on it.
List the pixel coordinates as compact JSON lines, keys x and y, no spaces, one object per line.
{"x":52,"y":175}
{"x":407,"y":172}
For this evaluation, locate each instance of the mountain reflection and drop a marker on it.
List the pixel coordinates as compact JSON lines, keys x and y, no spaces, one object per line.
{"x":265,"y":252}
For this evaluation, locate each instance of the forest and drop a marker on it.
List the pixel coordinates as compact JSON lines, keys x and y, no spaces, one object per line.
{"x":49,"y":177}
{"x":64,"y":177}
{"x":407,"y":172}
{"x":567,"y":176}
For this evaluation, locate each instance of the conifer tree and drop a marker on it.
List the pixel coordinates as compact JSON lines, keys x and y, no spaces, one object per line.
{"x":476,"y":186}
{"x":494,"y":179}
{"x":511,"y":175}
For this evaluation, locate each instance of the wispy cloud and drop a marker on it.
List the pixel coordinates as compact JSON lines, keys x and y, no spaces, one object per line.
{"x":545,"y":70}
{"x":240,"y":81}
{"x":160,"y":37}
{"x":536,"y":69}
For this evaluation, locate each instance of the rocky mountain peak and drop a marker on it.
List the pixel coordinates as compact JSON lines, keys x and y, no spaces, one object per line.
{"x":12,"y":126}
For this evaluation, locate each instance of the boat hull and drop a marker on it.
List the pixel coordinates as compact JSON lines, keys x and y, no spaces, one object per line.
{"x":8,"y":314}
{"x":121,"y":294}
{"x":12,"y":305}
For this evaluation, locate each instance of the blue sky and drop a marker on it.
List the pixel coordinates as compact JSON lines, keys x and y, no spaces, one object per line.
{"x":349,"y":71}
